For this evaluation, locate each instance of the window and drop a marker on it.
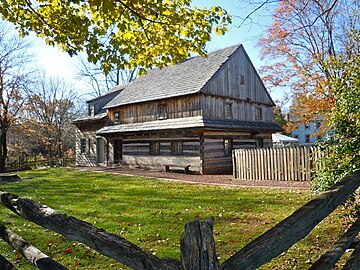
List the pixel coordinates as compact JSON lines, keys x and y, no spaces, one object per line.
{"x":228,"y":147}
{"x":259,"y":142}
{"x":176,"y":148}
{"x":228,"y":110}
{"x":91,"y":110}
{"x":307,"y":126}
{"x":116,"y":118}
{"x":82,"y":145}
{"x":307,"y":138}
{"x":154,"y":148}
{"x":162,"y":111}
{"x":318,"y":124}
{"x":258,"y":114}
{"x":242,"y":79}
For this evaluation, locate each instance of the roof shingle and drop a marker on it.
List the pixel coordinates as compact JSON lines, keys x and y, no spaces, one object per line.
{"x":185,"y":78}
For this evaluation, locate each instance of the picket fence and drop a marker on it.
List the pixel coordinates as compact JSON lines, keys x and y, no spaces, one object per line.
{"x":284,"y":164}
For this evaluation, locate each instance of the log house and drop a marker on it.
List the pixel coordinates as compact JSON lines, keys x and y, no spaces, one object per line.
{"x":194,"y":113}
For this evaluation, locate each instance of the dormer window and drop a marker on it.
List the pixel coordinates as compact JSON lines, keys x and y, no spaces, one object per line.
{"x":228,"y":110}
{"x":116,"y":118}
{"x":162,"y":111}
{"x":91,"y":110}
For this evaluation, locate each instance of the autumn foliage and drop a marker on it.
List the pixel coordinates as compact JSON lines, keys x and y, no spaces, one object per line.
{"x":304,"y":35}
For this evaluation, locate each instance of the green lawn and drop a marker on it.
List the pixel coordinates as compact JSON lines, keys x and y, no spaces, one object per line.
{"x":152,"y":214}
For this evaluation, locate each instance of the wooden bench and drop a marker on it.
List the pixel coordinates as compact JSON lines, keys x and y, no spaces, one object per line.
{"x":185,"y":167}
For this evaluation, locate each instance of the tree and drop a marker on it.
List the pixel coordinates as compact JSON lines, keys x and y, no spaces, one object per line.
{"x":122,"y":33}
{"x":49,"y":111}
{"x":279,"y":117}
{"x":100,"y":82}
{"x":344,"y":151}
{"x":15,"y":74}
{"x":304,"y":35}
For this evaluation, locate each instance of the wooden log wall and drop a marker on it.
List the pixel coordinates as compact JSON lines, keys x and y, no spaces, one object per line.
{"x":215,"y":159}
{"x":136,"y":152}
{"x":185,"y":106}
{"x":87,"y":131}
{"x":283,"y":164}
{"x":214,"y":106}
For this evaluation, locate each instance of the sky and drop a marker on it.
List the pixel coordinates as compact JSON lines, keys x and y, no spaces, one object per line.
{"x":57,"y":63}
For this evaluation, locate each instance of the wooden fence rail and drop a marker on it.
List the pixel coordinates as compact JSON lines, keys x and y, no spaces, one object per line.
{"x":284,"y":164}
{"x":25,"y":164}
{"x":197,"y":244}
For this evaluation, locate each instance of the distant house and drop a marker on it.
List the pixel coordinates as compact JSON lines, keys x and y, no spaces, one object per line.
{"x":309,"y":133}
{"x":194,"y":113}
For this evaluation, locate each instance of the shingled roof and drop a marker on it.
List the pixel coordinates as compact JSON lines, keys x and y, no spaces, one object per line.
{"x":185,"y":78}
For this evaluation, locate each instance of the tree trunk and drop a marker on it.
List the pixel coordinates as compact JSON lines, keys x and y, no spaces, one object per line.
{"x":3,"y":148}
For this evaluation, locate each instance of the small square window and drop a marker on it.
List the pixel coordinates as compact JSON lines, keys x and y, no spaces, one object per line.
{"x":242,"y":79}
{"x":228,"y":147}
{"x":176,"y":148}
{"x":116,"y":118}
{"x":307,"y":138}
{"x":228,"y":110}
{"x":162,"y":111}
{"x":154,"y":148}
{"x":258,"y":114}
{"x":82,"y":145}
{"x":307,"y":125}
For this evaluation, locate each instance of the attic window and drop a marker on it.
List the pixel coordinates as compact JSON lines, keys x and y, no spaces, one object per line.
{"x":162,"y":111}
{"x":228,"y":110}
{"x":258,"y":115}
{"x":242,"y":79}
{"x":116,"y":118}
{"x":90,"y":109}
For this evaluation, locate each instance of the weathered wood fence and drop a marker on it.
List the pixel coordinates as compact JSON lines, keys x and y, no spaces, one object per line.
{"x":285,"y":164}
{"x":197,"y":245}
{"x":25,"y":164}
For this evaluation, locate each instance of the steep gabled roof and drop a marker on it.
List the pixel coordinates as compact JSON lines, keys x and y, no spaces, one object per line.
{"x":185,"y":78}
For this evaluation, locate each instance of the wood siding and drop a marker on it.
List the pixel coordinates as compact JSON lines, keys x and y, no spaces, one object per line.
{"x":214,"y":106}
{"x":136,"y":152}
{"x":87,"y":131}
{"x":214,"y":158}
{"x":186,"y":106}
{"x":238,"y":79}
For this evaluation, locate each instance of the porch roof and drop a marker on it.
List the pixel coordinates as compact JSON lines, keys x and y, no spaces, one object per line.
{"x":190,"y":122}
{"x":88,"y":118}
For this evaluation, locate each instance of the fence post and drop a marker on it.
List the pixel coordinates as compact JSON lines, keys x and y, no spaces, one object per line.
{"x":197,"y":246}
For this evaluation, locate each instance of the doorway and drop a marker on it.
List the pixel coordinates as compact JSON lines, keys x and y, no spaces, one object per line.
{"x":117,"y":151}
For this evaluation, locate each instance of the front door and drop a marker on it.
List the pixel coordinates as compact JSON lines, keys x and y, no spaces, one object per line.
{"x":99,"y":150}
{"x":117,"y":151}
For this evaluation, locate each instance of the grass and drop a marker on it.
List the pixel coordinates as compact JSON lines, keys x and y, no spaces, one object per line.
{"x":152,"y":214}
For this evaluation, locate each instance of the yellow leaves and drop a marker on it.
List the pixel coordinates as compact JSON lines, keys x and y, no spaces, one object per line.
{"x":127,"y":30}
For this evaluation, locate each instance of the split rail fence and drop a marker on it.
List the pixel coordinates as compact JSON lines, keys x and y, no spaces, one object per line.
{"x":197,"y":244}
{"x":285,"y":164}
